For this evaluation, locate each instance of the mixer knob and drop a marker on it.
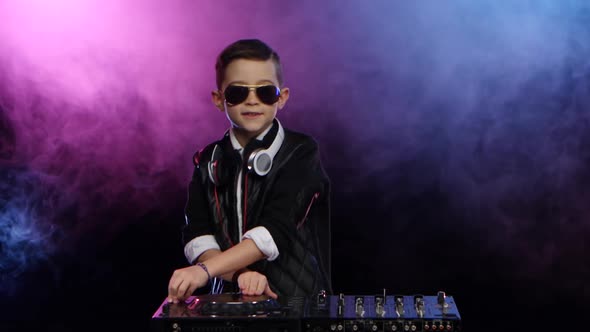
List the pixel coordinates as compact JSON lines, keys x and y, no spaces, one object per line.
{"x":379,"y":300}
{"x":399,"y":305}
{"x":380,"y":303}
{"x":340,"y":304}
{"x":419,"y":304}
{"x":441,"y":299}
{"x":379,"y":310}
{"x":359,"y":305}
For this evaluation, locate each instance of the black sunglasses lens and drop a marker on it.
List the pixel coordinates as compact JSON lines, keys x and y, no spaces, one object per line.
{"x":268,"y":94}
{"x":235,"y":94}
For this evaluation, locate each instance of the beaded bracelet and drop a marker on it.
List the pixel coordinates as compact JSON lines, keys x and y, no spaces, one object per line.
{"x":206,"y":270}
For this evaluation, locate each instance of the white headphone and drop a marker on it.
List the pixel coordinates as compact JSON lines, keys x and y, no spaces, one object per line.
{"x":260,"y":160}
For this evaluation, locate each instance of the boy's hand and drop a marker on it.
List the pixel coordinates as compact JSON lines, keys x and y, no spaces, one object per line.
{"x":254,"y":283}
{"x":185,"y":281}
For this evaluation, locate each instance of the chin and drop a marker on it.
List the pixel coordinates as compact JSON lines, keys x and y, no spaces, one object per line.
{"x":254,"y":131}
{"x":255,"y":127}
{"x":249,"y":128}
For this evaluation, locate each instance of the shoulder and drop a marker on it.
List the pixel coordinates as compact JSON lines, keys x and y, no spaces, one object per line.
{"x":300,"y":159}
{"x":300,"y":150}
{"x":296,"y":139}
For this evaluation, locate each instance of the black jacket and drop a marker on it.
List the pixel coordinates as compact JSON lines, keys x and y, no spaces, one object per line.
{"x":292,"y":202}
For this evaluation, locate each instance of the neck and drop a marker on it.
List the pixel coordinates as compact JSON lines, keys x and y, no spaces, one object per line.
{"x":244,"y":137}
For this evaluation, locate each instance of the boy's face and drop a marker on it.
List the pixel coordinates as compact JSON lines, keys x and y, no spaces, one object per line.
{"x":252,"y":116}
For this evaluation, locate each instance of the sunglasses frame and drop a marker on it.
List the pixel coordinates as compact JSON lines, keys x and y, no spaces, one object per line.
{"x":252,"y":88}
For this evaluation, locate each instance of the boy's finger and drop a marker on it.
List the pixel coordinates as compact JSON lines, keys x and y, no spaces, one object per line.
{"x":270,"y":293}
{"x":251,"y":287}
{"x":189,"y":291}
{"x":173,"y":288}
{"x":243,"y":281}
{"x":182,"y":288}
{"x":260,"y":287}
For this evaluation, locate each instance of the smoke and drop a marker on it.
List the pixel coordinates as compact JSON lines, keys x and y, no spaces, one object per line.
{"x":99,"y":121}
{"x":474,"y":114}
{"x":27,"y":235}
{"x":483,"y":103}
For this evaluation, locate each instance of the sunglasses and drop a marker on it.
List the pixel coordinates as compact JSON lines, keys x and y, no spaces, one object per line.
{"x":237,"y":94}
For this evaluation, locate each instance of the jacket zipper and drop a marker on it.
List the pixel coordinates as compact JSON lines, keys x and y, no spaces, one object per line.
{"x":313,"y":198}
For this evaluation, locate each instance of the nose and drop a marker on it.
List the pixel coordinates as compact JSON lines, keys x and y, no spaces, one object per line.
{"x":252,"y":97}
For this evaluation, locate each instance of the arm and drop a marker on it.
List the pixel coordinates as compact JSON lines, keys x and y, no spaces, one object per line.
{"x":235,"y":258}
{"x":229,"y":276}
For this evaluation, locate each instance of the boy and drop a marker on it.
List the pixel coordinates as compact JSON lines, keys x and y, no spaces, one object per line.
{"x":258,"y":203}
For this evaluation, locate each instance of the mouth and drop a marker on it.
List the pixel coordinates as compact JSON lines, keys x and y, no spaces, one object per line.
{"x":251,"y":114}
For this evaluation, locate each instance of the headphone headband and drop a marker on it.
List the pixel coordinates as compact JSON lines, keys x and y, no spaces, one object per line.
{"x":212,"y":165}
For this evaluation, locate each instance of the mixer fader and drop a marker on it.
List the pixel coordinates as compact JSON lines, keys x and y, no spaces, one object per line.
{"x":383,"y":313}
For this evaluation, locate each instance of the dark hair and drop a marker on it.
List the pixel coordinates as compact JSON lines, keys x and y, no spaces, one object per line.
{"x":251,"y":49}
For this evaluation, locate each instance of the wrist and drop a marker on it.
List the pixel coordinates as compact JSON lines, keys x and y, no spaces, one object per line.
{"x":204,"y":268}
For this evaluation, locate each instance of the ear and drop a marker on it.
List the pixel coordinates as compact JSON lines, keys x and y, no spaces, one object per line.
{"x":283,"y":97}
{"x":218,"y":99}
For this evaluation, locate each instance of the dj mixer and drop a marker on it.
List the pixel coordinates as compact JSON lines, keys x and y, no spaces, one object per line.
{"x":235,"y":312}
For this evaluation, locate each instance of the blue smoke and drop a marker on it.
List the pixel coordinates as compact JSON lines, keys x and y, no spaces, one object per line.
{"x":28,"y":238}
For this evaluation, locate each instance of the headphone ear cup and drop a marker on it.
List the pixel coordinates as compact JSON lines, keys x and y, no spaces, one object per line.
{"x":260,"y":161}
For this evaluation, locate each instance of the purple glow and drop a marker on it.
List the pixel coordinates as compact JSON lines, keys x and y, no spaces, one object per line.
{"x":487,"y":102}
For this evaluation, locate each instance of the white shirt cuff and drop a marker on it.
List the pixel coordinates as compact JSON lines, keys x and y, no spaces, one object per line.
{"x":199,"y":245}
{"x":264,"y":241}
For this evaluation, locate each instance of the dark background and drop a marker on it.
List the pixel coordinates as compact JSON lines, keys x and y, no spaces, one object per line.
{"x":456,"y":136}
